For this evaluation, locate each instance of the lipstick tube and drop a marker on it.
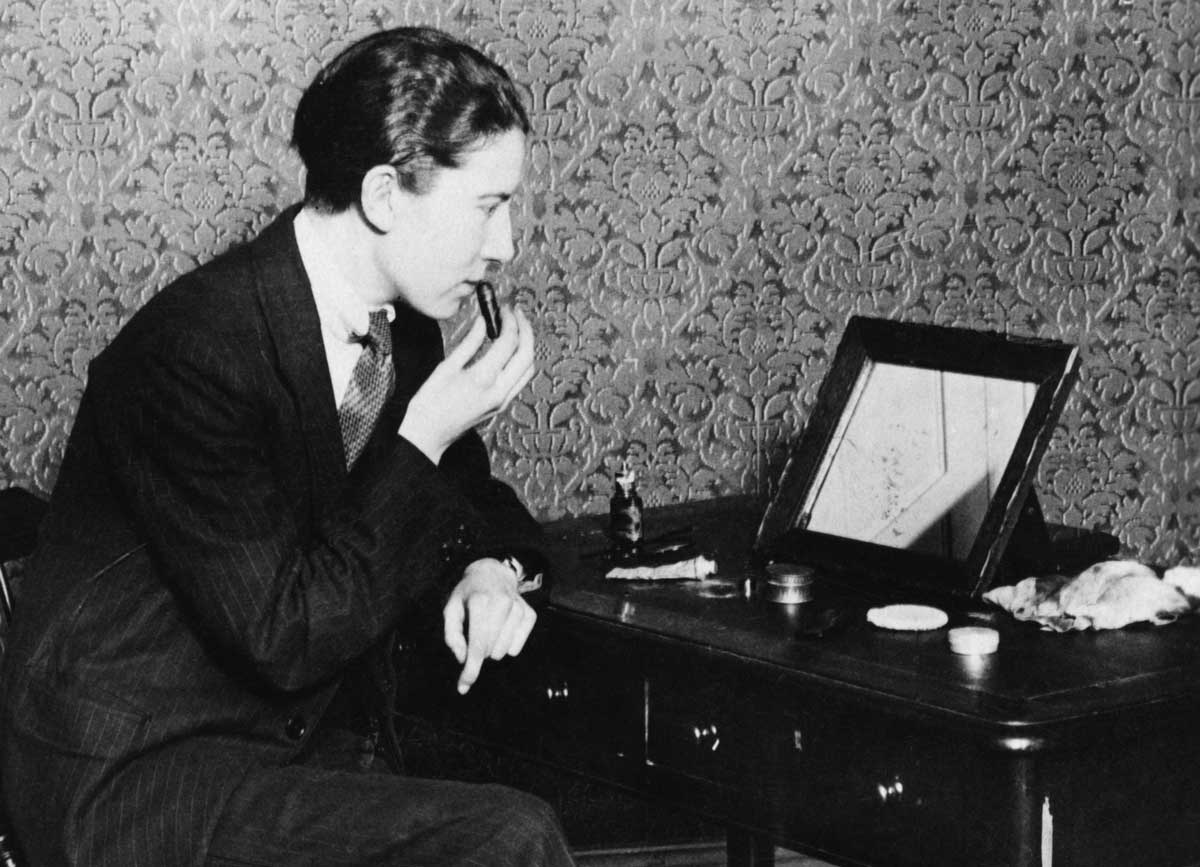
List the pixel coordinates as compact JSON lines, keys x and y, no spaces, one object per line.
{"x":485,"y":294}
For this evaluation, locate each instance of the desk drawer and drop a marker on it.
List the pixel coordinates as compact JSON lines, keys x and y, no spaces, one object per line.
{"x":582,"y":706}
{"x":839,"y":776}
{"x":713,"y":735}
{"x":890,"y":792}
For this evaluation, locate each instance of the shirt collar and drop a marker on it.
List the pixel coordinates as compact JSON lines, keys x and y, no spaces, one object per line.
{"x":343,"y":314}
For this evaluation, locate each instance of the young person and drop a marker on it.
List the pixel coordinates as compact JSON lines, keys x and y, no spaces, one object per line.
{"x":274,"y":472}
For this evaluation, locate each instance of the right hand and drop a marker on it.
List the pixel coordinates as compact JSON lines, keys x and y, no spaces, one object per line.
{"x":461,"y":394}
{"x":485,"y":618}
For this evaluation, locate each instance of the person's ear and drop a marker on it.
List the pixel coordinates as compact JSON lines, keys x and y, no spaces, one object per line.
{"x":379,"y":197}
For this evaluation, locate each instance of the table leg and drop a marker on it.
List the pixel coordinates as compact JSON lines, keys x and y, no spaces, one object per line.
{"x":747,"y":849}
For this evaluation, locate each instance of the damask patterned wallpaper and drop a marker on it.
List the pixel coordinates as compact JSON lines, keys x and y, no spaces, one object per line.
{"x":715,"y":186}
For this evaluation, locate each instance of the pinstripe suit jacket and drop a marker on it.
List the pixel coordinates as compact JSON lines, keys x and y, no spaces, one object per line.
{"x":209,"y":570}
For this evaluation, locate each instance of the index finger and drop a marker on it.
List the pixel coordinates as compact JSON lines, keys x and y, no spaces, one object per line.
{"x":519,"y":366}
{"x":453,"y":620}
{"x":496,"y":357}
{"x":480,"y":635}
{"x":470,"y":671}
{"x":525,"y":341}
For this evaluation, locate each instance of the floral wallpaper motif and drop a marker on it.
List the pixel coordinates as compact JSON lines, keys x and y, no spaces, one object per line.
{"x":714,"y":187}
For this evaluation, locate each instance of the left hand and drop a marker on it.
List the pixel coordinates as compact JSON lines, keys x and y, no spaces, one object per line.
{"x":485,"y":617}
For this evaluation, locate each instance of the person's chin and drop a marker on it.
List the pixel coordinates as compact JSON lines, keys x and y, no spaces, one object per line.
{"x":455,"y":303}
{"x":444,"y":311}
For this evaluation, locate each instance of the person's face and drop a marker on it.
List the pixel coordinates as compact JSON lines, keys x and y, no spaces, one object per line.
{"x":444,"y":240}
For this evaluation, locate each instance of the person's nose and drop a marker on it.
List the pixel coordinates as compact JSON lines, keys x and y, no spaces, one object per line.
{"x":498,"y":241}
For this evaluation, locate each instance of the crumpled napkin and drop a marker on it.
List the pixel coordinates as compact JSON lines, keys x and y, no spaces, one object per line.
{"x":1106,"y":595}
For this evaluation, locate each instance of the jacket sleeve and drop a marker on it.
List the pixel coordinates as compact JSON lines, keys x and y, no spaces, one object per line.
{"x":293,"y":595}
{"x":501,"y":525}
{"x":505,"y":527}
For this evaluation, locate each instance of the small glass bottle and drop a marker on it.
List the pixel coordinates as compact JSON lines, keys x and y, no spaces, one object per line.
{"x":625,"y":512}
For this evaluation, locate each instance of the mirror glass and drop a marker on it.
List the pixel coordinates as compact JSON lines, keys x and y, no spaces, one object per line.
{"x":916,"y":457}
{"x":916,"y":465}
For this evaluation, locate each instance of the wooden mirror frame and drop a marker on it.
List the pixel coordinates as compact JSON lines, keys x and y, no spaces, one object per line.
{"x":1050,"y":366}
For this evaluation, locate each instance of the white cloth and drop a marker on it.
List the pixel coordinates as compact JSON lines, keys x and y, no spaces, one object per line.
{"x":1106,"y":595}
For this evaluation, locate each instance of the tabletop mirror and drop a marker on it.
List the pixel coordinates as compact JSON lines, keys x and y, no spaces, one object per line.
{"x":915,"y":468}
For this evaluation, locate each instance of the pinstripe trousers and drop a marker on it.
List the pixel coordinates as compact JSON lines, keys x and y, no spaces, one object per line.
{"x":325,"y":811}
{"x":330,"y":812}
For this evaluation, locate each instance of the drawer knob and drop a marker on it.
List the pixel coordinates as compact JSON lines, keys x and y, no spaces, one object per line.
{"x":890,"y":793}
{"x":706,"y":737}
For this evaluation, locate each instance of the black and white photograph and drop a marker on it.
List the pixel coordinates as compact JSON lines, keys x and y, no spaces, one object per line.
{"x":610,"y":433}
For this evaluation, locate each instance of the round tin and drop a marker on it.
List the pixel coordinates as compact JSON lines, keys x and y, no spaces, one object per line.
{"x":788,"y":583}
{"x":974,"y":640}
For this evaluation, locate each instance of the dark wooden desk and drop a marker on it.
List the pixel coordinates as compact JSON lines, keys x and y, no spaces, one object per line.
{"x":861,"y":746}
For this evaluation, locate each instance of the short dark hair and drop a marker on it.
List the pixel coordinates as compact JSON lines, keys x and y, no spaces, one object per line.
{"x":410,"y":97}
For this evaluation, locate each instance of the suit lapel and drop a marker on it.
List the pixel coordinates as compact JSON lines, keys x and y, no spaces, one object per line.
{"x":285,"y":296}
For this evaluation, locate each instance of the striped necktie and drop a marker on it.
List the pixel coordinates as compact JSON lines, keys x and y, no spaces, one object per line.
{"x":370,"y":386}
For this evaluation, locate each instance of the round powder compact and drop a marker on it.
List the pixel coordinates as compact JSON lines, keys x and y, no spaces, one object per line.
{"x":908,"y":618}
{"x":974,"y":640}
{"x":789,"y":583}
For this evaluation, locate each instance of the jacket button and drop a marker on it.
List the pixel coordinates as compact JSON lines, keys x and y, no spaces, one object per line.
{"x":296,"y":728}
